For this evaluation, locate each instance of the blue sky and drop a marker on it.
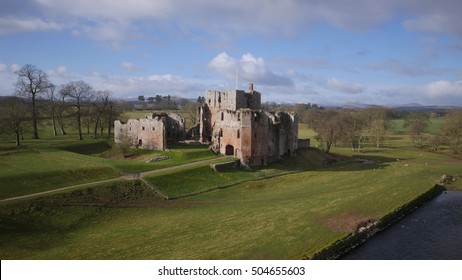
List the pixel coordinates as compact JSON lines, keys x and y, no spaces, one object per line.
{"x":330,"y":52}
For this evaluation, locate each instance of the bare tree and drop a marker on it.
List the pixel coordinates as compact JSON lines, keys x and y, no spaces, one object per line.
{"x":417,"y":124}
{"x":376,"y":123}
{"x":51,"y":105}
{"x":191,"y":113}
{"x":32,"y":82}
{"x":62,"y":111}
{"x":351,"y":125}
{"x":101,"y":105}
{"x":77,"y":93}
{"x":327,"y":125}
{"x":14,"y":116}
{"x":437,"y":140}
{"x":452,"y":127}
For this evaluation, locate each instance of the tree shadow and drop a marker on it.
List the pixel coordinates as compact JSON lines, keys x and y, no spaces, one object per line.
{"x":315,"y":159}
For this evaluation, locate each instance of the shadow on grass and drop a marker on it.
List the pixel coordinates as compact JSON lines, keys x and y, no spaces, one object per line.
{"x":315,"y":159}
{"x":180,"y":184}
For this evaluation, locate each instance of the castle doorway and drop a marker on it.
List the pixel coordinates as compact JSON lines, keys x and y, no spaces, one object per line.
{"x":229,"y":150}
{"x":140,"y":143}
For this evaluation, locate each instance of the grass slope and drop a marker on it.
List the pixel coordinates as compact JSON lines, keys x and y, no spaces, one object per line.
{"x":43,"y":165}
{"x":30,"y":171}
{"x":180,"y":183}
{"x":284,"y":217}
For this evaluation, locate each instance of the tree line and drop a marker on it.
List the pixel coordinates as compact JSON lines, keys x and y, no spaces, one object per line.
{"x":360,"y":128}
{"x":78,"y":104}
{"x":75,"y":103}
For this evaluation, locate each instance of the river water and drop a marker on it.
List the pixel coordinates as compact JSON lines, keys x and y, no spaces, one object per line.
{"x":432,"y":232}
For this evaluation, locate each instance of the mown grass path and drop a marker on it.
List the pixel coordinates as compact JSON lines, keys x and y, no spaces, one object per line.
{"x":171,"y":168}
{"x":123,"y":177}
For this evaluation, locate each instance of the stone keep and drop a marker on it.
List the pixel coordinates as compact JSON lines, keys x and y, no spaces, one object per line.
{"x":152,"y":132}
{"x":233,"y":123}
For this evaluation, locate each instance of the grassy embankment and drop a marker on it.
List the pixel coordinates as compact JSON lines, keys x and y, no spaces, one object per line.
{"x":283,"y":217}
{"x":59,"y":161}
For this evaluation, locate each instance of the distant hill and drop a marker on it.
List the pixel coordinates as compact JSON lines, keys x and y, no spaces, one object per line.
{"x":418,"y":107}
{"x":403,"y":107}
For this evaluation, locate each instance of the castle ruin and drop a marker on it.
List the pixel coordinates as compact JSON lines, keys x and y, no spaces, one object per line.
{"x":153,"y":132}
{"x":233,"y":123}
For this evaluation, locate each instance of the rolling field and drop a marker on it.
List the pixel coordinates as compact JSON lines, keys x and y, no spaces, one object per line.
{"x":309,"y":203}
{"x":51,"y":164}
{"x":436,"y":123}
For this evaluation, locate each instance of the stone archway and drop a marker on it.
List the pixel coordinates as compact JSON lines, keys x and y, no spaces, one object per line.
{"x":229,"y":150}
{"x":140,"y":143}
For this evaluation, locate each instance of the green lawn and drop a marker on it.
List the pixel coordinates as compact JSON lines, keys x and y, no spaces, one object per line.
{"x":434,"y":127}
{"x":284,"y":217}
{"x":43,"y":165}
{"x":30,"y":171}
{"x":178,"y":183}
{"x":317,"y":201}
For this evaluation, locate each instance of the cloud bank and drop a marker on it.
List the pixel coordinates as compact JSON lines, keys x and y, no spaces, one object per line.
{"x":120,"y":20}
{"x":247,"y":69}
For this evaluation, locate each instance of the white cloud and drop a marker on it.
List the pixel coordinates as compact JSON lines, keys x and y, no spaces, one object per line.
{"x":120,"y":20}
{"x":337,"y":85}
{"x":9,"y":69}
{"x":435,"y":16}
{"x":14,"y":67}
{"x":59,"y":73}
{"x":344,"y":86}
{"x":130,"y":66}
{"x":13,"y":25}
{"x":114,"y":9}
{"x":61,"y":69}
{"x":110,"y":30}
{"x":354,"y":14}
{"x":248,"y":69}
{"x":150,"y":85}
{"x":401,"y":68}
{"x":163,"y":78}
{"x":444,"y":88}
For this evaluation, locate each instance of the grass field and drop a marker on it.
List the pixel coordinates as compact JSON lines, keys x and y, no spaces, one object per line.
{"x":49,"y":164}
{"x":283,"y":217}
{"x":434,"y":127}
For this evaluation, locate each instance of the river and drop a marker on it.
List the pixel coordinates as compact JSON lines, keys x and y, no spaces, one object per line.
{"x":432,"y":232}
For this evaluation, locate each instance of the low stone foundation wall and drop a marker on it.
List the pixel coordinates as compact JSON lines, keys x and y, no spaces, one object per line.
{"x":219,"y":167}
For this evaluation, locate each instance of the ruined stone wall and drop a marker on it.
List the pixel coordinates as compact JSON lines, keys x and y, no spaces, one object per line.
{"x":228,"y":129}
{"x":216,"y":101}
{"x":272,"y":136}
{"x":234,"y":124}
{"x":232,"y":100}
{"x":175,"y":128}
{"x":254,"y":136}
{"x":147,"y":133}
{"x":205,"y":124}
{"x":152,"y":132}
{"x":288,"y":132}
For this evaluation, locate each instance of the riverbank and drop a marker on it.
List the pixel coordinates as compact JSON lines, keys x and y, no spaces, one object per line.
{"x":432,"y":232}
{"x":367,"y":230}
